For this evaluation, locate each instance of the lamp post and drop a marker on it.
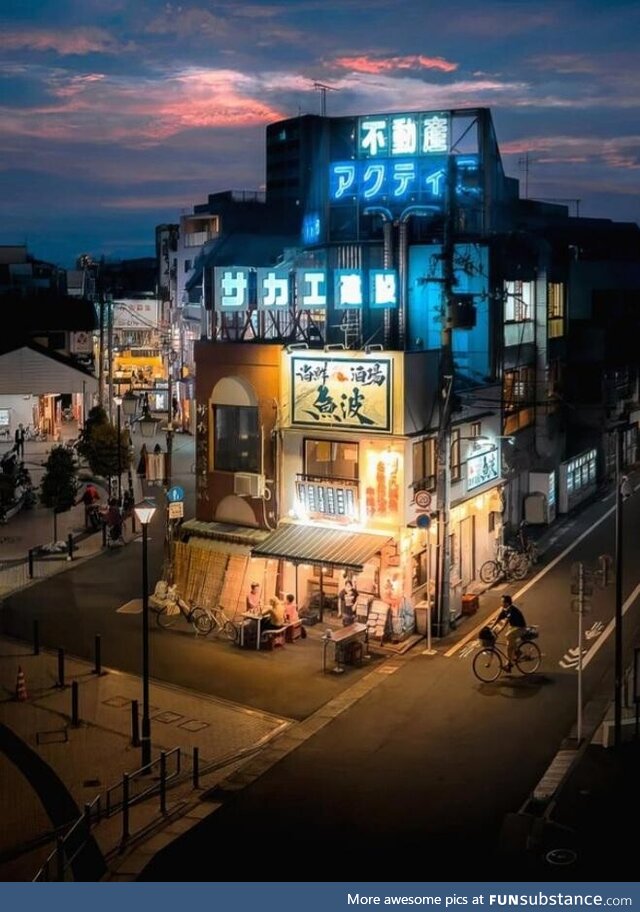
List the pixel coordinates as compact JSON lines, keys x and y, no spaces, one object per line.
{"x":118,"y":402}
{"x":144,"y":511}
{"x":147,"y":422}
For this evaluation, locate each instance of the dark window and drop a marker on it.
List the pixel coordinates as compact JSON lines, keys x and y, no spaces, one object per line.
{"x":424,"y":465}
{"x":236,"y":438}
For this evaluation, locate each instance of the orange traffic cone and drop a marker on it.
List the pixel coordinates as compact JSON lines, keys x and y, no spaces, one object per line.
{"x":21,"y":686}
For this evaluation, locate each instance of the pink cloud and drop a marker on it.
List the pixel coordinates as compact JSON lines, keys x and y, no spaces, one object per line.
{"x":67,"y":42}
{"x":385,"y":64}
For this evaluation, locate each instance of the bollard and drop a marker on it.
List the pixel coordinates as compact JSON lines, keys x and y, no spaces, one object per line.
{"x":125,"y":809}
{"x":196,"y":767}
{"x":104,"y":535}
{"x":31,"y":550}
{"x":163,"y":783}
{"x":75,"y":718}
{"x":133,"y":522}
{"x":60,"y":682}
{"x":87,"y":819}
{"x":98,"y":655}
{"x":135,"y":728}
{"x":36,"y":638}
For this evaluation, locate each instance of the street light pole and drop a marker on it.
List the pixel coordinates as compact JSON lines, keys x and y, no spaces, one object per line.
{"x":118,"y":401}
{"x":617,"y":716}
{"x":144,"y":512}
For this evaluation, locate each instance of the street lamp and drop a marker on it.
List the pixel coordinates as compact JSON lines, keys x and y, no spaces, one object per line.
{"x":129,"y":404}
{"x":118,"y":402}
{"x":144,"y":511}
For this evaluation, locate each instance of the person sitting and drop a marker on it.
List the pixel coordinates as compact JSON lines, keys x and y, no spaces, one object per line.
{"x":291,"y":615}
{"x":274,"y":617}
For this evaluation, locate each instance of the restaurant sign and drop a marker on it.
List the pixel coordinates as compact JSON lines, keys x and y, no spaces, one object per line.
{"x":341,"y":393}
{"x":483,"y":468}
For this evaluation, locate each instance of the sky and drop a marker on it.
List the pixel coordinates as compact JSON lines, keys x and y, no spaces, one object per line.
{"x":118,"y":115}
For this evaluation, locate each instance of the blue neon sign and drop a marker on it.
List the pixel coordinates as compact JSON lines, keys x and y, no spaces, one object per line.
{"x":399,"y":179}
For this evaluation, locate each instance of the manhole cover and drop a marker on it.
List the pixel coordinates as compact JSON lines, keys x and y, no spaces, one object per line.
{"x":168,"y":717}
{"x":117,"y":702}
{"x":561,"y":856}
{"x":193,"y":725}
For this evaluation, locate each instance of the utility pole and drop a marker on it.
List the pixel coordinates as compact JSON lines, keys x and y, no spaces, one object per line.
{"x":618,"y":671}
{"x":323,"y":89}
{"x":110,"y":355}
{"x":446,"y":384}
{"x":100,"y":283}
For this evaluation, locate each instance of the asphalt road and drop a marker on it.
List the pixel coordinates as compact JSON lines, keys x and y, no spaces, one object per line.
{"x":431,"y":760}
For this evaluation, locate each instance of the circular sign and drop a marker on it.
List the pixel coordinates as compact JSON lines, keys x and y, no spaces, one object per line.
{"x":423,"y":520}
{"x":175,"y":494}
{"x":423,"y":499}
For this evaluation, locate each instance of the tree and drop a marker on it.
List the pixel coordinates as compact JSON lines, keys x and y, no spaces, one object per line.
{"x":59,"y":484}
{"x":98,"y":444}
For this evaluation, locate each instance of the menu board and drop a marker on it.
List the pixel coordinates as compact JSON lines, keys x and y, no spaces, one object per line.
{"x":327,"y":500}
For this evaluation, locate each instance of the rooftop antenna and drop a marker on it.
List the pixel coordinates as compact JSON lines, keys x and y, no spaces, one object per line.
{"x":524,"y":164}
{"x":323,"y":89}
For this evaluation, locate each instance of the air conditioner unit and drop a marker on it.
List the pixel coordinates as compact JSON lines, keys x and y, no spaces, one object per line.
{"x":248,"y":484}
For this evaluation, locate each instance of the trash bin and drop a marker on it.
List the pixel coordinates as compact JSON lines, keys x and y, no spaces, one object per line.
{"x":470,"y":604}
{"x":422,"y":614}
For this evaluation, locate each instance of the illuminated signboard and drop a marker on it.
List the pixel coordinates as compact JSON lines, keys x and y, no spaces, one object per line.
{"x":336,"y":501}
{"x":483,"y":468}
{"x":341,"y":393}
{"x":239,"y":288}
{"x":388,"y":135}
{"x":398,"y":180}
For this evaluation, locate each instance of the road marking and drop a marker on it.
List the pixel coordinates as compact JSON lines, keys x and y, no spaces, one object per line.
{"x":594,"y":631}
{"x":610,"y":626}
{"x":473,"y":634}
{"x":571,"y":658}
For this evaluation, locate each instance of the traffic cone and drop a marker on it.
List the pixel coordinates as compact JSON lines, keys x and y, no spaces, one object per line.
{"x":21,"y":686}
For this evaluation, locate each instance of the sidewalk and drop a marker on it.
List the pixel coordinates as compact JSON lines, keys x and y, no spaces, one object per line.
{"x":90,"y":758}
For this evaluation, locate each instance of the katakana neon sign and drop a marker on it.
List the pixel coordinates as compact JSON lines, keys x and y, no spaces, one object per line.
{"x":399,"y":180}
{"x":242,"y":288}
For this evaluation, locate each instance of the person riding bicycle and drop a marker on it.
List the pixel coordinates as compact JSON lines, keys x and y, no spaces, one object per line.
{"x":513,"y":618}
{"x":91,"y":500}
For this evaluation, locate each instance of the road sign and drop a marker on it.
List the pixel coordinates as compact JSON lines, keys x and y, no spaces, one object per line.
{"x":423,"y":500}
{"x":176,"y":510}
{"x":175,"y":494}
{"x":423,"y":520}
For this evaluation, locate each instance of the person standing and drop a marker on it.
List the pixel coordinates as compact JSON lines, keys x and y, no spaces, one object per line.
{"x":19,"y":442}
{"x":142,"y":463}
{"x":253,"y":599}
{"x":348,"y":598}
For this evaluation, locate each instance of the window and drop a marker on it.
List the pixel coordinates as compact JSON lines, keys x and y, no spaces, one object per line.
{"x":4,"y":418}
{"x":424,"y":465}
{"x":187,"y":266}
{"x":236,"y":438}
{"x":518,"y":390}
{"x":555,"y":310}
{"x":329,"y":459}
{"x":518,"y":301}
{"x":476,"y":429}
{"x":419,"y":570}
{"x":456,"y":465}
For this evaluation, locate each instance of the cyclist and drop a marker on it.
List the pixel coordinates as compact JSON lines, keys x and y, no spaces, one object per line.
{"x":513,"y":618}
{"x":91,"y":501}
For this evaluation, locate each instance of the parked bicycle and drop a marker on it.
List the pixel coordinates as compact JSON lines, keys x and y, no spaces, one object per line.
{"x":490,"y":661}
{"x":508,"y":564}
{"x":221,"y":625}
{"x":525,"y":545}
{"x":171,"y":611}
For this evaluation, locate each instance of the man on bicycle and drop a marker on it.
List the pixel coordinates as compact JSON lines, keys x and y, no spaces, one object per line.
{"x":513,"y":619}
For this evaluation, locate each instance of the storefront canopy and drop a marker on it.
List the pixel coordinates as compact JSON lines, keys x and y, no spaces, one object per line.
{"x":312,"y":545}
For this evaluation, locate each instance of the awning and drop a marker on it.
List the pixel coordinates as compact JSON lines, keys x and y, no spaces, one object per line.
{"x":312,"y":545}
{"x":27,"y":371}
{"x":239,"y":535}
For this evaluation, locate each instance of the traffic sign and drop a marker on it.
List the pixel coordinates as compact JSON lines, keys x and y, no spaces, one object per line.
{"x":176,"y":509}
{"x":423,"y":520}
{"x":423,"y":500}
{"x":175,"y":494}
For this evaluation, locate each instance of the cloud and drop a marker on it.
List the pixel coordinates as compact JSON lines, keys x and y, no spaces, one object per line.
{"x":65,"y":42}
{"x":621,"y":153}
{"x":384,"y":64}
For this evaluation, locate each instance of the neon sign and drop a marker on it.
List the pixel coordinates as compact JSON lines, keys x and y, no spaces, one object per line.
{"x":400,"y":179}
{"x":238,"y":288}
{"x":483,"y":468}
{"x":388,"y":135}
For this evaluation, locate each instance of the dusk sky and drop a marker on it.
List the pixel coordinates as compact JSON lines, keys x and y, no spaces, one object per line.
{"x":117,"y":115}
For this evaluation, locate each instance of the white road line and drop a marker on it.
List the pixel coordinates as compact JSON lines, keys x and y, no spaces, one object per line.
{"x":610,"y":626}
{"x":474,"y":633}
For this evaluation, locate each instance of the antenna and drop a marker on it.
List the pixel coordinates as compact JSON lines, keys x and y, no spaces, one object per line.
{"x":524,"y":163}
{"x":323,"y":89}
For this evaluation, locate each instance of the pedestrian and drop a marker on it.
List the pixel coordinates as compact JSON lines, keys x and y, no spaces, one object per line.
{"x":19,"y":442}
{"x":142,"y":463}
{"x":348,"y":598}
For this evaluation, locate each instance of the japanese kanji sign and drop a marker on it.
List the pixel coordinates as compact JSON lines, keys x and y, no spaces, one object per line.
{"x":341,"y":393}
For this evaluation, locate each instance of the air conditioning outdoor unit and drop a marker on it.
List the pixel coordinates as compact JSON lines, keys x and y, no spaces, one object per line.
{"x":248,"y":484}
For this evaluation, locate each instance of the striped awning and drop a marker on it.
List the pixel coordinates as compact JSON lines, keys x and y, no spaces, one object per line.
{"x":239,"y":535}
{"x":312,"y":545}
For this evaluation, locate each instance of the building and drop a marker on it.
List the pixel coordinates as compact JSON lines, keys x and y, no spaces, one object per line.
{"x":401,"y":398}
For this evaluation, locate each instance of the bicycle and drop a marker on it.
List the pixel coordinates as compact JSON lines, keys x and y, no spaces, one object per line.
{"x":508,"y":564}
{"x":171,"y":611}
{"x":221,"y":626}
{"x":526,"y":546}
{"x":490,"y":661}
